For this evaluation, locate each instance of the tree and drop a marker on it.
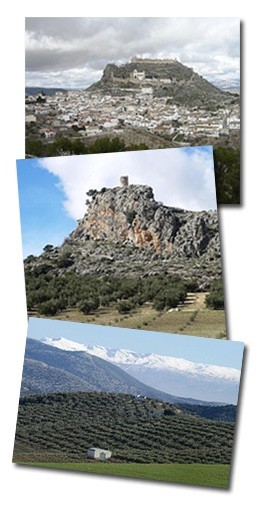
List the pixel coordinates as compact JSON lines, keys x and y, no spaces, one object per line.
{"x":125,"y":306}
{"x":50,"y":307}
{"x":105,"y":144}
{"x":215,"y":298}
{"x":227,"y":175}
{"x":35,"y":147}
{"x":48,"y":248}
{"x":89,"y":304}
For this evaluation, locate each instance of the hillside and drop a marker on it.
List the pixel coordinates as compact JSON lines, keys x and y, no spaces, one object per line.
{"x":48,"y":369}
{"x":168,"y":78}
{"x":61,"y":427}
{"x":47,"y":91}
{"x":219,"y":413}
{"x":130,"y":253}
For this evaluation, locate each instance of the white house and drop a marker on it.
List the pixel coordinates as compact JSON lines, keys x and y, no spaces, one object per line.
{"x":97,"y":453}
{"x":30,"y":118}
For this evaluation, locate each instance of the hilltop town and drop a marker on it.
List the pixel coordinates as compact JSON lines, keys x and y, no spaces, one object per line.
{"x":161,"y":97}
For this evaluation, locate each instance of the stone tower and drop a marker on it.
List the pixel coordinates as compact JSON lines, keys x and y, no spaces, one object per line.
{"x":124,"y":181}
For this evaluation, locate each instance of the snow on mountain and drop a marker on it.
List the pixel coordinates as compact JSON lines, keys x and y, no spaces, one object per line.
{"x":124,"y":357}
{"x":63,"y":343}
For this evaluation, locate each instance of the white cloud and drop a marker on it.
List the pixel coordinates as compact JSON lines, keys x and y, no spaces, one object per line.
{"x":179,"y":177}
{"x":210,"y":45}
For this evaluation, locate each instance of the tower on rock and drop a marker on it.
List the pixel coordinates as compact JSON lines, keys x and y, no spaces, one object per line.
{"x":124,"y":181}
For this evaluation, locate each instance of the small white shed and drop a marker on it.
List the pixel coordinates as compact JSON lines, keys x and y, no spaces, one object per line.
{"x":97,"y":453}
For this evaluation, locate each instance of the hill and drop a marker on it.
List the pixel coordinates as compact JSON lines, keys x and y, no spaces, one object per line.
{"x":168,"y":78}
{"x":127,"y":221}
{"x":47,"y":91}
{"x":219,"y":413}
{"x":127,"y":251}
{"x":48,"y":369}
{"x":61,"y":427}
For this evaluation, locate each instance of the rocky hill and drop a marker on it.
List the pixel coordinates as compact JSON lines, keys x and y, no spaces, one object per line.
{"x":168,"y":78}
{"x":126,"y":232}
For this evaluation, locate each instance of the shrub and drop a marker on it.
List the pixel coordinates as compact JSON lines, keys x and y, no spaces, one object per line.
{"x":125,"y":306}
{"x":130,"y":216}
{"x":48,"y":248}
{"x":88,"y":305}
{"x":65,"y":260}
{"x":215,"y":298}
{"x":50,"y":307}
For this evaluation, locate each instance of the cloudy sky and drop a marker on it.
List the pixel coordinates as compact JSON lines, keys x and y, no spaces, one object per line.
{"x":72,"y":52}
{"x":52,"y":191}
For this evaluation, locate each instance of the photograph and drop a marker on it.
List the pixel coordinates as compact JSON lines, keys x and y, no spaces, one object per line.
{"x":97,"y":85}
{"x":127,"y":239}
{"x":128,"y":403}
{"x":129,"y":203}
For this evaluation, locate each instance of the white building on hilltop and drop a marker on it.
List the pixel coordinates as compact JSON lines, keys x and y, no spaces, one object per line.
{"x":138,"y":75}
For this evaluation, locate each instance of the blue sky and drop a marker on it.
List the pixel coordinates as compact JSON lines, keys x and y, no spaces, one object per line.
{"x":43,"y":216}
{"x":52,"y":191}
{"x":205,"y":350}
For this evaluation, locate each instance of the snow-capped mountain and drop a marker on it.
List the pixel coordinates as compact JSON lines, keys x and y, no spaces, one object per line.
{"x":176,"y":376}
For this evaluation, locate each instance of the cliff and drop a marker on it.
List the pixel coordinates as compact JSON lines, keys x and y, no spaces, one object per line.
{"x":126,"y":231}
{"x":131,"y":214}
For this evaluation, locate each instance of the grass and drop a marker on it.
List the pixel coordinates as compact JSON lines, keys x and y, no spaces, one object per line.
{"x":193,"y":318}
{"x":211,"y":475}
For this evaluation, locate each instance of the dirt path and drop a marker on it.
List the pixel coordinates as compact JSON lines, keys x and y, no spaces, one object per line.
{"x":193,"y":302}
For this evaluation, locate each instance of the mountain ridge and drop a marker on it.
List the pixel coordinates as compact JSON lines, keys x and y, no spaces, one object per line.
{"x":180,"y":378}
{"x":130,"y":356}
{"x":45,"y":367}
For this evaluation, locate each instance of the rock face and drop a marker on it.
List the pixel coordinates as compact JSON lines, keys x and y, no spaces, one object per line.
{"x":131,"y":214}
{"x":167,"y":78}
{"x":125,"y":232}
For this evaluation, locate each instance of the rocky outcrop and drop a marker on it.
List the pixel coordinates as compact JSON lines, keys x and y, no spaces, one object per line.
{"x":125,"y":232}
{"x":131,"y":214}
{"x":168,"y":78}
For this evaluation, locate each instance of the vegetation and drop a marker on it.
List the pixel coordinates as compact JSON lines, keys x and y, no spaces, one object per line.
{"x":221,"y":412}
{"x":49,"y":294}
{"x":194,"y":474}
{"x":64,"y":146}
{"x":61,"y":427}
{"x":142,"y":303}
{"x":227,"y":175}
{"x":89,"y":304}
{"x":215,"y":298}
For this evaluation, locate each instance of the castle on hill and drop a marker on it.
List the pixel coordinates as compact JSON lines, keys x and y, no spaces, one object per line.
{"x":158,"y":61}
{"x":137,"y":76}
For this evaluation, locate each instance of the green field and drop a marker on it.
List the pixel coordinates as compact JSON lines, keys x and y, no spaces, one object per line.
{"x":195,"y":319}
{"x":194,"y":474}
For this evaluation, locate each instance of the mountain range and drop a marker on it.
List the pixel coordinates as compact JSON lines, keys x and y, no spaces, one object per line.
{"x":48,"y":369}
{"x":174,"y":376}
